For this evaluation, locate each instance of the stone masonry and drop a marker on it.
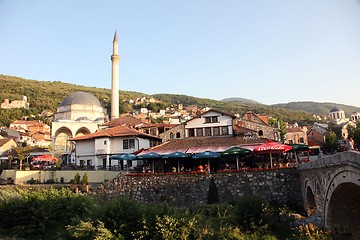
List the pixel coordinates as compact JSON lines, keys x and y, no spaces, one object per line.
{"x":278,"y":185}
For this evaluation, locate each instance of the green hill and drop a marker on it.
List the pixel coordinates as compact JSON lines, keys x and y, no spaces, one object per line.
{"x":240,"y":100}
{"x":46,"y":95}
{"x":322,"y":109}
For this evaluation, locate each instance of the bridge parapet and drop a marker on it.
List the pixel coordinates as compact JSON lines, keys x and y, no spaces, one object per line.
{"x":348,"y":157}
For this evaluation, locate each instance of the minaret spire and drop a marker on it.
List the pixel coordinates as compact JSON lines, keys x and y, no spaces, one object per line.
{"x":115,"y":59}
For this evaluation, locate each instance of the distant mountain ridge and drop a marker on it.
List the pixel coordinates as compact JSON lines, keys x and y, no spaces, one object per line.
{"x":317,"y":108}
{"x":322,"y":109}
{"x":241,"y":100}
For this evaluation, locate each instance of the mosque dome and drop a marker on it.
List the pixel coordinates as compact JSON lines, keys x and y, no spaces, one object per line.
{"x":81,"y":98}
{"x":336,"y":109}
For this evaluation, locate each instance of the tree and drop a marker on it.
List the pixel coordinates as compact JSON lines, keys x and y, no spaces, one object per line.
{"x":336,"y":129}
{"x":331,"y":141}
{"x":20,"y":156}
{"x":77,"y":179}
{"x":279,"y":123}
{"x":153,"y":107}
{"x":357,"y":135}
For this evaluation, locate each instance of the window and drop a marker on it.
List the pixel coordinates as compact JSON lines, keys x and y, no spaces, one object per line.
{"x":301,"y":140}
{"x":191,"y":132}
{"x":261,"y":133}
{"x":153,"y":143}
{"x":105,"y":142}
{"x":199,"y":132}
{"x":216,"y":131}
{"x":178,"y":135}
{"x":128,"y":144}
{"x":212,"y":119}
{"x":225,"y":130}
{"x":171,"y":136}
{"x":153,"y":131}
{"x":291,"y":142}
{"x":207,"y":131}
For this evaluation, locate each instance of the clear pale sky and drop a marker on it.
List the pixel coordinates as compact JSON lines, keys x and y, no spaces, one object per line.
{"x":271,"y":51}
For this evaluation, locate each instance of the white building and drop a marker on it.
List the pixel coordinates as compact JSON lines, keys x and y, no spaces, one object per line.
{"x":95,"y":149}
{"x":337,"y":115}
{"x":355,"y":117}
{"x":210,"y":123}
{"x":78,"y":114}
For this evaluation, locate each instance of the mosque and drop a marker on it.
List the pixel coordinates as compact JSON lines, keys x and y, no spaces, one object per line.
{"x":81,"y":113}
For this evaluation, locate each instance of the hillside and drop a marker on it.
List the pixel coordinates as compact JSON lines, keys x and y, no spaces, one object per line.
{"x":318,"y":108}
{"x":241,"y":100}
{"x":43,"y":95}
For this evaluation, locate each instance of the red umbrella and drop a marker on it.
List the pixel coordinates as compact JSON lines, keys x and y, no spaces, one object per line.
{"x":271,"y":147}
{"x":45,"y":158}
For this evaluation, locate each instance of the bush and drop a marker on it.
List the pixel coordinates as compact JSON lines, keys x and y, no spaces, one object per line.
{"x":34,"y":213}
{"x":77,"y":178}
{"x":251,"y":213}
{"x":90,"y":230}
{"x":85,"y":179}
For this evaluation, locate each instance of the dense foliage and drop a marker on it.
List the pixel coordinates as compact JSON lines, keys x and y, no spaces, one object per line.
{"x":322,"y":109}
{"x":61,"y":214}
{"x":43,"y":95}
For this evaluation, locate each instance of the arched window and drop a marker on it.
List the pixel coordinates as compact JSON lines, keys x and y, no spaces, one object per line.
{"x":261,"y":133}
{"x":178,"y":135}
{"x":171,"y":136}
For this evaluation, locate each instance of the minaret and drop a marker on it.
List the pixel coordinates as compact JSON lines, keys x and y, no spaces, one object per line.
{"x":115,"y":59}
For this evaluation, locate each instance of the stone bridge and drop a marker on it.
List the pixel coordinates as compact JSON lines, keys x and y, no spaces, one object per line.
{"x":330,"y":188}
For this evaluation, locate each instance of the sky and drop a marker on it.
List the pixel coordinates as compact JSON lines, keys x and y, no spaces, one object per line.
{"x":270,"y":51}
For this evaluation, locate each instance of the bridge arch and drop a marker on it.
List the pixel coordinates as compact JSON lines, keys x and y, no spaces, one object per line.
{"x":342,"y":205}
{"x":309,"y":198}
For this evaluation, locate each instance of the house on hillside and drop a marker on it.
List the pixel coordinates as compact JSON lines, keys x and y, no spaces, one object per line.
{"x":6,"y":144}
{"x":23,"y":103}
{"x":316,"y":138}
{"x":94,"y":150}
{"x":32,"y":133}
{"x":295,"y":135}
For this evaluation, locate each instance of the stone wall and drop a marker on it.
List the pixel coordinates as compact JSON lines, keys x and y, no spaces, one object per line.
{"x":165,"y":136}
{"x":279,"y":185}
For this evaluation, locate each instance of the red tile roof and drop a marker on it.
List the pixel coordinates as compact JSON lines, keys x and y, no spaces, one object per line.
{"x":196,"y":144}
{"x":242,"y":130}
{"x":126,"y":120}
{"x":294,"y":129}
{"x":119,"y":131}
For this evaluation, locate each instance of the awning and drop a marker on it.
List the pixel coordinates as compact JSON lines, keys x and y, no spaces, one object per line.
{"x":271,"y":147}
{"x":148,"y":155}
{"x":123,"y":156}
{"x":299,"y":147}
{"x":176,"y":155}
{"x":45,"y":158}
{"x":236,"y":150}
{"x":207,"y":154}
